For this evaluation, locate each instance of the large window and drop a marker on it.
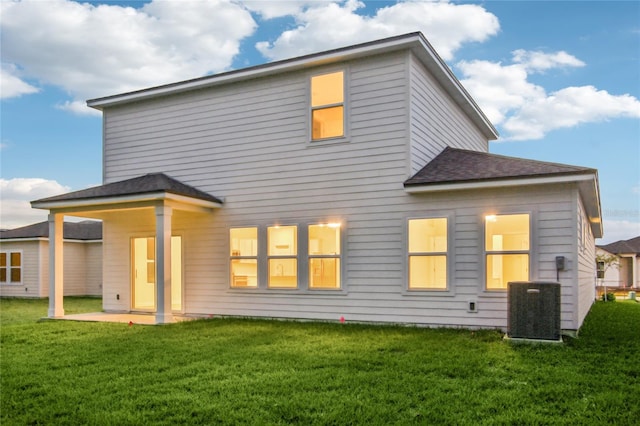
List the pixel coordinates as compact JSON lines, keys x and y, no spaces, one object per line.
{"x":324,"y":256}
{"x":282,"y":253}
{"x":244,"y":257}
{"x":507,"y":249}
{"x":11,"y":267}
{"x":327,"y":105}
{"x":427,"y":254}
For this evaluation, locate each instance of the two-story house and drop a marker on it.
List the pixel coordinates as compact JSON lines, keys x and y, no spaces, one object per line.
{"x":350,"y":183}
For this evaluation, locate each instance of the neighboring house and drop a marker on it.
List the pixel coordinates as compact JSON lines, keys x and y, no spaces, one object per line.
{"x":627,"y":272}
{"x":24,"y":260}
{"x":350,"y":183}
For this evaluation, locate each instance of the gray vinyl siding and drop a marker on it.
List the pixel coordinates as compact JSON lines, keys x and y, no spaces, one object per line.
{"x":436,"y":120}
{"x":586,"y":268}
{"x":249,"y":144}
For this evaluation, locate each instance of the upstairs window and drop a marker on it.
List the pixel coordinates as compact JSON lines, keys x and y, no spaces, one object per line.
{"x":507,"y":249}
{"x":11,"y":267}
{"x":428,"y":254}
{"x":327,"y":106}
{"x":282,"y":256}
{"x":324,"y":256}
{"x":244,"y":257}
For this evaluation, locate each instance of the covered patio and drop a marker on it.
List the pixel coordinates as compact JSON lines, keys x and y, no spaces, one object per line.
{"x":154,"y":195}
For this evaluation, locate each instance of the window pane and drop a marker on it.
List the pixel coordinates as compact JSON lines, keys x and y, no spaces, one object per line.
{"x":3,"y":259}
{"x":282,"y":240}
{"x":324,"y":273}
{"x":16,"y":275}
{"x":327,"y":89}
{"x":283,"y":273}
{"x":507,"y":232}
{"x":16,"y":259}
{"x":244,"y":241}
{"x":504,"y":268}
{"x":324,"y":239}
{"x":3,"y":275}
{"x":428,"y":272}
{"x":328,"y":122}
{"x":428,"y":235}
{"x":244,"y":273}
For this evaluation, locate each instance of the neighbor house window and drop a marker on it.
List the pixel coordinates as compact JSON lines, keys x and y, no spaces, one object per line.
{"x":244,"y":257}
{"x":11,"y":267}
{"x":282,"y":254}
{"x":427,"y":254}
{"x":327,"y":105}
{"x":507,"y":249}
{"x":324,"y":256}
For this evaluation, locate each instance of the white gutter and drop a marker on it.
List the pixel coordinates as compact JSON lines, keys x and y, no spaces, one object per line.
{"x":135,"y":198}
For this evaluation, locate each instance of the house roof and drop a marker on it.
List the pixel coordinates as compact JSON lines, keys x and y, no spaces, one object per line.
{"x":85,"y":230}
{"x":455,"y":165}
{"x":458,"y":169}
{"x":623,"y":246}
{"x":416,"y":42}
{"x":148,"y":184}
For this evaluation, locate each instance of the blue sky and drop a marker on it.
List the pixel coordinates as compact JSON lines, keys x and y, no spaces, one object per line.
{"x":560,"y":80}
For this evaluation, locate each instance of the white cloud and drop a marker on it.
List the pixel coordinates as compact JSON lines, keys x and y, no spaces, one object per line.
{"x":278,"y":8}
{"x":16,"y":195}
{"x":525,"y":110}
{"x":540,"y":61}
{"x":12,"y":86}
{"x":323,"y":26}
{"x":92,"y":51}
{"x":616,"y":230}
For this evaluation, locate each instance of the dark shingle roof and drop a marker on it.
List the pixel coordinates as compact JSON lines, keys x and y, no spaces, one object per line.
{"x":458,"y":165}
{"x":147,"y":184}
{"x":85,"y":230}
{"x":624,"y":246}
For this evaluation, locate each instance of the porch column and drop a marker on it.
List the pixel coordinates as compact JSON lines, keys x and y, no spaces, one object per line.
{"x":56,"y":265}
{"x":163,"y":264}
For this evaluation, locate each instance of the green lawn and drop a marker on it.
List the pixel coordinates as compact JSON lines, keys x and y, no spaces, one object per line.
{"x":241,"y":371}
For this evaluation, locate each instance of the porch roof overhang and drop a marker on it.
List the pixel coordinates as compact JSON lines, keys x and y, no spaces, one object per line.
{"x":457,"y":170}
{"x":140,"y":192}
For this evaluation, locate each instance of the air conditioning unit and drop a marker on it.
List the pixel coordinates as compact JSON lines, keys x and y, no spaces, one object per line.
{"x":534,"y":310}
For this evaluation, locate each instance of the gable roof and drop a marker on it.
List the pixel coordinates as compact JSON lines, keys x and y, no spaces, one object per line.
{"x":415,"y":42}
{"x":455,"y":165}
{"x":86,"y":230}
{"x":623,"y":246}
{"x":151,"y":183}
{"x":458,"y":169}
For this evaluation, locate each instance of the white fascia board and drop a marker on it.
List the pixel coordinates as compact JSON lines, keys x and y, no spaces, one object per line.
{"x":417,"y":189}
{"x":150,"y":197}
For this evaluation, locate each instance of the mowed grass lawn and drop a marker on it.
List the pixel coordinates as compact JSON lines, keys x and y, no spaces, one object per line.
{"x":244,"y":371}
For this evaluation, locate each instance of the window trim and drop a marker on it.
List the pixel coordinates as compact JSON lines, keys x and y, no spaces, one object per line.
{"x":8,"y":268}
{"x":337,"y":256}
{"x":345,"y":110}
{"x":486,"y":253}
{"x":240,"y":257}
{"x":450,"y":255}
{"x":303,"y":257}
{"x":268,"y":257}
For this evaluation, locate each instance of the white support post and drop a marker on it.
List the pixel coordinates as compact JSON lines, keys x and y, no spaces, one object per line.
{"x":56,"y":265}
{"x":163,"y":265}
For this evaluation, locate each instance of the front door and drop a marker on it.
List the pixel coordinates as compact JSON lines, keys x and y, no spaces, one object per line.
{"x":143,"y":273}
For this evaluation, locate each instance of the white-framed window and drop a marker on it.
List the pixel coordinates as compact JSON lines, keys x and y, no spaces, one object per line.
{"x":11,"y":267}
{"x":282,"y":256}
{"x":507,"y":249}
{"x":327,"y":106}
{"x":427,"y":250}
{"x":243,"y":244}
{"x":324,"y":256}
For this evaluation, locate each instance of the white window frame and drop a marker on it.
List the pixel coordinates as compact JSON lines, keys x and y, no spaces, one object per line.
{"x":487,"y":253}
{"x":233,"y":257}
{"x":337,"y":256}
{"x":448,"y":291}
{"x":8,"y":267}
{"x":345,"y":110}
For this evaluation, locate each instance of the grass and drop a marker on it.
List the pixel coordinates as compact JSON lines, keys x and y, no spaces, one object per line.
{"x":242,"y":371}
